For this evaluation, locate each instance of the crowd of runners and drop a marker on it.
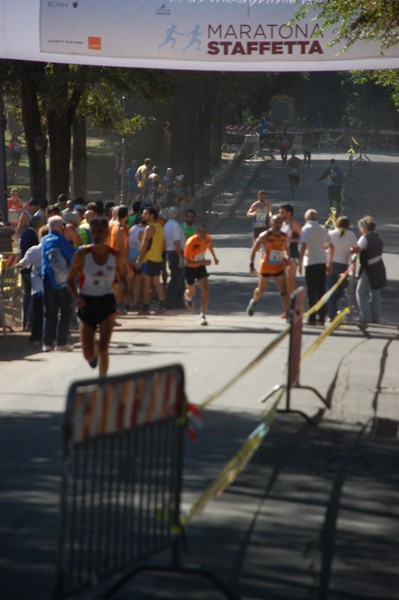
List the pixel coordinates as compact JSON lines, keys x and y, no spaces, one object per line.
{"x":84,"y":263}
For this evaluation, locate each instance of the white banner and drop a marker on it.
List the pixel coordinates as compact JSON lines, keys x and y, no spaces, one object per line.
{"x":229,"y":35}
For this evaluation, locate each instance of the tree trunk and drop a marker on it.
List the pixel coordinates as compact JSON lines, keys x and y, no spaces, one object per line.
{"x":184,"y":131}
{"x":59,"y":130}
{"x":79,"y":156}
{"x":217,"y":129}
{"x":204,"y":128}
{"x":36,"y":143}
{"x":62,"y":106}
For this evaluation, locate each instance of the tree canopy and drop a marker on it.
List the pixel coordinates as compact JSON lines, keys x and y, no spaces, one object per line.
{"x":352,"y":20}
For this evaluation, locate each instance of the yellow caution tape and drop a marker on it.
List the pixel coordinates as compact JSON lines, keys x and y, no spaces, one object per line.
{"x":331,"y":327}
{"x":323,"y":300}
{"x":261,"y":355}
{"x":235,"y":465}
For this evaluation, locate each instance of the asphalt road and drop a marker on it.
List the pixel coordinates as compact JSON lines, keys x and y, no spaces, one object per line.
{"x":315,"y":514}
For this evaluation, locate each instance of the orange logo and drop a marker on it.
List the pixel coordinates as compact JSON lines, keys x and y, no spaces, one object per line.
{"x":94,"y":42}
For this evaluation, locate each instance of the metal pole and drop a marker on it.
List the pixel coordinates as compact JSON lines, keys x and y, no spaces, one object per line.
{"x":7,"y":232}
{"x":3,"y":165}
{"x":123,"y":167}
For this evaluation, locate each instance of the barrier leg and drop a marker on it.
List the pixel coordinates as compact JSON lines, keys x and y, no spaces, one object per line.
{"x":288,"y":408}
{"x":177,"y":567}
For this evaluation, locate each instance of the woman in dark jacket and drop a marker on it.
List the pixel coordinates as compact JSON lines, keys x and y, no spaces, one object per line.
{"x":372,"y":275}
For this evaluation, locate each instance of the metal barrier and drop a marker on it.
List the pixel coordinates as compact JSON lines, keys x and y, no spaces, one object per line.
{"x":10,"y":290}
{"x":294,"y":357}
{"x":121,"y":480}
{"x":204,"y":197}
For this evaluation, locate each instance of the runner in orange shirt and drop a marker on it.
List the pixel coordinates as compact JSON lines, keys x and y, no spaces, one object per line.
{"x":195,"y":270}
{"x":274,"y":246}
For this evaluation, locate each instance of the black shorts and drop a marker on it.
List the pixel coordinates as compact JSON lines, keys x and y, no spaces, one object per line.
{"x":294,"y":178}
{"x":259,"y":230}
{"x":273,"y":274}
{"x":97,"y":309}
{"x":294,"y":250}
{"x":194,"y":273}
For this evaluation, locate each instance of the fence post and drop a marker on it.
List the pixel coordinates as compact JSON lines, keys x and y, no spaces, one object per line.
{"x":294,"y":357}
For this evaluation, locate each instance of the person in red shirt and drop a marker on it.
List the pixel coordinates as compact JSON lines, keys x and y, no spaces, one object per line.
{"x":15,"y":206}
{"x":195,"y":269}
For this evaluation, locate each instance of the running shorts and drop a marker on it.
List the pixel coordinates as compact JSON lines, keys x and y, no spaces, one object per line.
{"x":194,"y":273}
{"x":273,"y":274}
{"x":97,"y":309}
{"x":151,"y":268}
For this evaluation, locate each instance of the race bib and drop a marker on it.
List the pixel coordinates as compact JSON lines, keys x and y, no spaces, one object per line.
{"x":276,"y":257}
{"x":261,"y":217}
{"x":200,"y":257}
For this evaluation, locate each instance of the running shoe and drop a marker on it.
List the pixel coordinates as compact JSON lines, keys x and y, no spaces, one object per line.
{"x":251,"y":307}
{"x":93,"y":362}
{"x":46,"y":348}
{"x":65,"y":348}
{"x":188,"y":302}
{"x":202,"y":320}
{"x":121,"y":310}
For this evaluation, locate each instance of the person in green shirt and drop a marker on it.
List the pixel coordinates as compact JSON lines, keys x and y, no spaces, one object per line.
{"x":188,"y":226}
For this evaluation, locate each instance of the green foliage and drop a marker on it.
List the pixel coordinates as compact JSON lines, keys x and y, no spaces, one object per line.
{"x":352,"y":20}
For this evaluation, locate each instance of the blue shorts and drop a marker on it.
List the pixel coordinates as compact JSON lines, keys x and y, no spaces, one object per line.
{"x":151,"y":268}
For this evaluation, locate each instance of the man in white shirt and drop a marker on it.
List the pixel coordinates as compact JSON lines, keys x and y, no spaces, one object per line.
{"x":314,"y":242}
{"x":174,"y":242}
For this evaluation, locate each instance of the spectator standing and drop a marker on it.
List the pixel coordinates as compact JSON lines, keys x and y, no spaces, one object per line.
{"x":150,"y":259}
{"x":136,"y":233}
{"x":343,"y":239}
{"x":141,"y":177}
{"x":196,"y":262}
{"x":167,"y":188}
{"x":312,"y":256}
{"x":372,"y":275}
{"x":263,"y":129}
{"x":42,"y":212}
{"x":57,"y":253}
{"x":189,"y":226}
{"x":174,"y":244}
{"x":29,"y":238}
{"x":132,"y":187}
{"x":118,"y":239}
{"x":26,"y":215}
{"x":182,"y":191}
{"x":33,"y":260}
{"x":15,"y":206}
{"x":335,"y":178}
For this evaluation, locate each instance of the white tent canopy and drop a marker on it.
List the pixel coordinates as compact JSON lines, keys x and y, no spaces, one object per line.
{"x":214,"y":35}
